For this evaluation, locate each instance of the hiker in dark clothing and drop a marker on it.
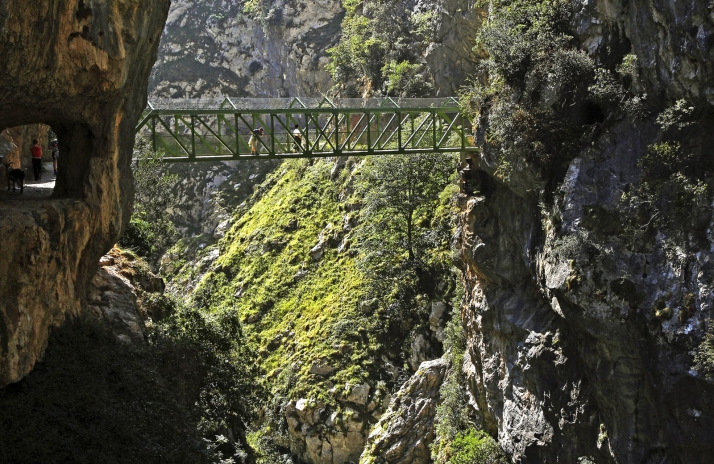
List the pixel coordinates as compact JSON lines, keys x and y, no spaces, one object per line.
{"x":55,"y":155}
{"x":36,"y":159}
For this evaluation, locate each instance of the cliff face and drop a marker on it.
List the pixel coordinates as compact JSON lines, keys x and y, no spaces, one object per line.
{"x":82,"y":67}
{"x":217,"y":48}
{"x":579,"y":336}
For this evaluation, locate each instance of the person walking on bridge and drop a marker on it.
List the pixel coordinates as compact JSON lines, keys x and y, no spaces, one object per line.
{"x":36,"y":150}
{"x":253,"y":141}
{"x":297,"y":138}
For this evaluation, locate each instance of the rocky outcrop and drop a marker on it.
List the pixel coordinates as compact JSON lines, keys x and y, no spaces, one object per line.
{"x":117,"y":293}
{"x":217,"y":48}
{"x":324,"y":434}
{"x":450,"y":57}
{"x":405,"y":432}
{"x":672,"y":40}
{"x":579,"y":340}
{"x":80,"y":66}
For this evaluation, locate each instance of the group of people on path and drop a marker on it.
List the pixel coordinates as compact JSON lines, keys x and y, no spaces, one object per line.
{"x":36,"y":151}
{"x":259,"y":132}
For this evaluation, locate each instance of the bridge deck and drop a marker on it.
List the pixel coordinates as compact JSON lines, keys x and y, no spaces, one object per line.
{"x":221,"y":128}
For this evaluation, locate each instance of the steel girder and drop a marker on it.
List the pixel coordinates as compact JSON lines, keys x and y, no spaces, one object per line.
{"x":219,"y":130}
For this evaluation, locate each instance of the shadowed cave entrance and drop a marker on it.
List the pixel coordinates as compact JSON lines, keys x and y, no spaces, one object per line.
{"x":75,"y":147}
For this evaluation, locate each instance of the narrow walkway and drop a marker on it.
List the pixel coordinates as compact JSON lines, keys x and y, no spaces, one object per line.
{"x":33,"y":189}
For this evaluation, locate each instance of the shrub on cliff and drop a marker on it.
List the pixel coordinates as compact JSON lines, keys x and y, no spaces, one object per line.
{"x":704,"y":356}
{"x":674,"y":189}
{"x":539,"y":99}
{"x":476,"y":447}
{"x":378,"y":52}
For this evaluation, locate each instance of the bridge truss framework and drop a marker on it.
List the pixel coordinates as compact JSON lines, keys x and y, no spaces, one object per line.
{"x":219,"y":129}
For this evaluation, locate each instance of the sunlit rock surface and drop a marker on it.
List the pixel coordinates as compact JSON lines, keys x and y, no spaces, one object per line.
{"x":82,"y":67}
{"x":405,"y":432}
{"x":215,"y":48}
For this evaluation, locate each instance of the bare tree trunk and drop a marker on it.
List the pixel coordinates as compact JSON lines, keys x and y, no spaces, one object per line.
{"x":409,"y":235}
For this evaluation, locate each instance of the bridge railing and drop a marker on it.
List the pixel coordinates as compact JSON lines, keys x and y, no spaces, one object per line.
{"x":221,"y":128}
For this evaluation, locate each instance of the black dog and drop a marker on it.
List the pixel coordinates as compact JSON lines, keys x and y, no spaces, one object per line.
{"x":14,"y":177}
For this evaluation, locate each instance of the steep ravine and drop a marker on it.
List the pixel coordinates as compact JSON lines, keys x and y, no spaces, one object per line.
{"x":215,"y":47}
{"x":587,"y":271}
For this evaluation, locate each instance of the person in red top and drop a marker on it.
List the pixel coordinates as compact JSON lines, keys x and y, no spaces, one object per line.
{"x":36,"y":159}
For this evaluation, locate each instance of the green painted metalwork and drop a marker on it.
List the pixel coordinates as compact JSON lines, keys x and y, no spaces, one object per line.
{"x":219,"y":129}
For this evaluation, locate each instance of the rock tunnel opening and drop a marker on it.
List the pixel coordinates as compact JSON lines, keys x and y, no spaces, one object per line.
{"x":66,"y":149}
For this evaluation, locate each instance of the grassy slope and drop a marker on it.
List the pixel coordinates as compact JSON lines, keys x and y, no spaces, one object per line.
{"x":293,"y":320}
{"x":296,"y":310}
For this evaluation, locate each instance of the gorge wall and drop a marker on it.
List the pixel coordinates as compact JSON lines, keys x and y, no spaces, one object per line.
{"x":82,"y":67}
{"x":581,"y":330}
{"x":218,"y":48}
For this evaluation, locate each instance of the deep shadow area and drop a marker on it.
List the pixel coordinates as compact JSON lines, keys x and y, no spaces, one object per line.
{"x":96,"y":400}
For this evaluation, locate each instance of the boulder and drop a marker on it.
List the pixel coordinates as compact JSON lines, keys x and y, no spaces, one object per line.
{"x":321,"y":367}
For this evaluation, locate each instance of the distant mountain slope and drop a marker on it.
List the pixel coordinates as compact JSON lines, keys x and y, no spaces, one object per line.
{"x":213,"y":47}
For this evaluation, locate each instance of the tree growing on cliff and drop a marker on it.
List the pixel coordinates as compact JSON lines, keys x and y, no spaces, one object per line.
{"x":399,"y":192}
{"x":150,"y":231}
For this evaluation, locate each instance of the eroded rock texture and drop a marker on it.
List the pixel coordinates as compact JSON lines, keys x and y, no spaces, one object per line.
{"x":215,"y":48}
{"x":405,"y":432}
{"x":571,"y":357}
{"x":82,"y":67}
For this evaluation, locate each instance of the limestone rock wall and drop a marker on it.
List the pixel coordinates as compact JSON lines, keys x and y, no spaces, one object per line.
{"x":405,"y":432}
{"x":82,"y":67}
{"x":570,"y":359}
{"x":215,"y":48}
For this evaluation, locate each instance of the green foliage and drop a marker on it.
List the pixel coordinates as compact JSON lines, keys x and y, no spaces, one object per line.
{"x":673,"y":186}
{"x":629,"y":67}
{"x":453,"y":414}
{"x":151,"y":231}
{"x":296,"y":308}
{"x":186,"y":396}
{"x":520,"y":33}
{"x":404,"y":80}
{"x":397,"y":191}
{"x":92,"y":399}
{"x":609,"y":91}
{"x":540,"y":100}
{"x":211,"y":347}
{"x":476,"y":447}
{"x":424,"y":23}
{"x":704,"y":356}
{"x":678,"y":116}
{"x":263,"y":11}
{"x":376,"y":53}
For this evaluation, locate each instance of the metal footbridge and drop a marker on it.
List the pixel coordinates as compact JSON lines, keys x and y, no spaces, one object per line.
{"x":220,"y":129}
